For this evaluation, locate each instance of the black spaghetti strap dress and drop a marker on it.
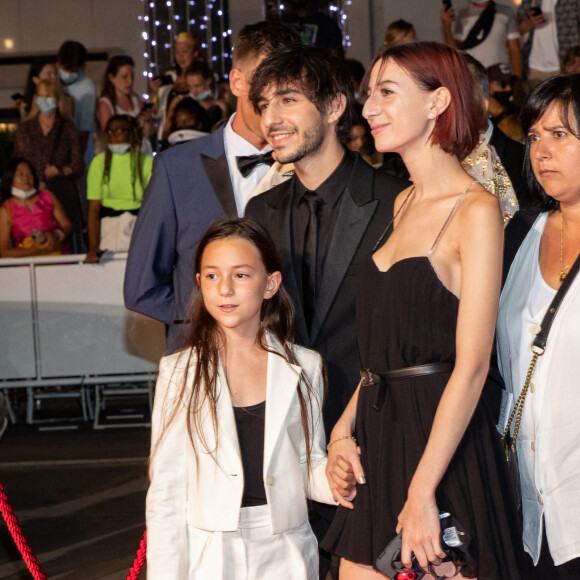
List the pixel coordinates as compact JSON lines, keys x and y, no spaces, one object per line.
{"x":407,"y":317}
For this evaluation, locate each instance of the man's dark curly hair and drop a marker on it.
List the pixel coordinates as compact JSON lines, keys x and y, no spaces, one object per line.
{"x":319,"y":76}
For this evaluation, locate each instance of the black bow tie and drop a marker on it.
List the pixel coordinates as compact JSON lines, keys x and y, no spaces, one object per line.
{"x":247,"y":163}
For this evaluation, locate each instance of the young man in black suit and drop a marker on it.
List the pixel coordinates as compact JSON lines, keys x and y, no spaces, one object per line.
{"x":329,"y":215}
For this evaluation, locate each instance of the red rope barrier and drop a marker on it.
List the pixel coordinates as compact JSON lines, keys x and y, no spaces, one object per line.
{"x":18,"y":537}
{"x":139,"y":559}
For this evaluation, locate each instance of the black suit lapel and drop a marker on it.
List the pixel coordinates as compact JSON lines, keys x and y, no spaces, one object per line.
{"x":349,"y":230}
{"x":278,"y":216}
{"x":218,"y":173}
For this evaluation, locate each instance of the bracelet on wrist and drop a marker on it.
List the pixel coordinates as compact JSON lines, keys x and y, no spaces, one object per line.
{"x":340,"y":439}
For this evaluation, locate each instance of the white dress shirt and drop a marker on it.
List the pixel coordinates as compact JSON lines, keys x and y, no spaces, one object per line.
{"x":243,"y":186}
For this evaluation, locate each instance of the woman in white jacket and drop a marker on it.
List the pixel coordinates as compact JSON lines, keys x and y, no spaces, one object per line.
{"x":548,"y":440}
{"x":237,"y":434}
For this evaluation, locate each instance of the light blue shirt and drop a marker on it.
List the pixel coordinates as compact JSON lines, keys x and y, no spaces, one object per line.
{"x":84,"y":95}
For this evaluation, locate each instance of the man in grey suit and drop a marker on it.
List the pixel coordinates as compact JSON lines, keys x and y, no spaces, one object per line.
{"x":195,"y":184}
{"x":324,"y":219}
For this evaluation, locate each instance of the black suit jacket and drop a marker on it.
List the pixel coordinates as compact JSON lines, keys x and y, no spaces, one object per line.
{"x":512,"y":155}
{"x":366,"y":207}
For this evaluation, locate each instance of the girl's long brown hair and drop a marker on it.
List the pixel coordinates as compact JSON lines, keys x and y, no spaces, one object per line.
{"x":134,"y":151}
{"x":206,"y":339}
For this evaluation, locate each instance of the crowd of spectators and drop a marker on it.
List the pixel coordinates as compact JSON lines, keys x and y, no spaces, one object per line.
{"x":64,"y":120}
{"x":216,"y":160}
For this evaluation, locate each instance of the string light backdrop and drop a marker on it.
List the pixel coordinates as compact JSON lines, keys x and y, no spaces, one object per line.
{"x":163,"y":20}
{"x":337,"y":9}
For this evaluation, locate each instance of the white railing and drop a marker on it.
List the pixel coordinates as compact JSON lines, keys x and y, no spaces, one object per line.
{"x":64,"y":322}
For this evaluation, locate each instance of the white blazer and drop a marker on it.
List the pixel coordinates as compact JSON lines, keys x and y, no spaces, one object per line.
{"x":206,"y":492}
{"x":548,"y":444}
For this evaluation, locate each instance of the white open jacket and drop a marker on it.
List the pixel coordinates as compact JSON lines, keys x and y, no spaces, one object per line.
{"x":548,"y":444}
{"x":207,"y":493}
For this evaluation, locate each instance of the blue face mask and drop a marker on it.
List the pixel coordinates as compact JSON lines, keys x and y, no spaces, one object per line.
{"x":46,"y":104}
{"x":119,"y":148}
{"x":68,"y":78}
{"x":202,"y":96}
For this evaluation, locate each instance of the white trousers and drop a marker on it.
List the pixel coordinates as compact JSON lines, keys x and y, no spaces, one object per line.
{"x":252,"y":552}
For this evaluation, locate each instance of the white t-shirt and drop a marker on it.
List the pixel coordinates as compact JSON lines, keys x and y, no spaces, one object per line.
{"x":493,"y":50}
{"x":134,"y":112}
{"x":544,"y":53}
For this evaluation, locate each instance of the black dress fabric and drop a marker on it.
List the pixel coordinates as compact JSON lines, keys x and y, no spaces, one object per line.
{"x":407,"y":317}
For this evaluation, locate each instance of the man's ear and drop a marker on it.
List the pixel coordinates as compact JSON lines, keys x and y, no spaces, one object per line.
{"x":336,"y":108}
{"x":237,"y":82}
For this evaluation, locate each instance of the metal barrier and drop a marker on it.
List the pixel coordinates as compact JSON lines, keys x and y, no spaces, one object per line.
{"x":64,"y":323}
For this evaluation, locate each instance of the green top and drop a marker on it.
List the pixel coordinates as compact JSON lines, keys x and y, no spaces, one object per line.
{"x":118,"y":193}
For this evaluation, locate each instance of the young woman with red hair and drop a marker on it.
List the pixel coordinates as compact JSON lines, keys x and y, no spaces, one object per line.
{"x":426,"y":311}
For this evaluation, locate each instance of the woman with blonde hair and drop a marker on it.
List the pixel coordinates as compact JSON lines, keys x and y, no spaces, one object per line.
{"x":48,"y":137}
{"x":399,"y":32}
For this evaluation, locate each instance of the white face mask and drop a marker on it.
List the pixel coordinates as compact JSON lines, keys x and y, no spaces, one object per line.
{"x":46,"y":104}
{"x":119,"y":148}
{"x":202,"y":96}
{"x":68,"y":78}
{"x":16,"y":192}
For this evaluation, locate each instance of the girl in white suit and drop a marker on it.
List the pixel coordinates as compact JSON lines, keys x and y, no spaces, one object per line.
{"x":237,"y":434}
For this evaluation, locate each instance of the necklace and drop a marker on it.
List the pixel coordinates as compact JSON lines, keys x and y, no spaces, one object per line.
{"x":563,"y":268}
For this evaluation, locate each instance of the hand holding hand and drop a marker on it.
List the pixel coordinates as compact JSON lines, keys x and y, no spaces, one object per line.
{"x":344,"y":470}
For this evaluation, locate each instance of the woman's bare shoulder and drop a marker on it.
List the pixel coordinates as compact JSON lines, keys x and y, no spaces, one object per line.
{"x":401,"y":197}
{"x":480,"y":203}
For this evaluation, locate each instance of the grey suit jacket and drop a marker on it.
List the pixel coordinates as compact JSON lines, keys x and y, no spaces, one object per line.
{"x":190,"y":188}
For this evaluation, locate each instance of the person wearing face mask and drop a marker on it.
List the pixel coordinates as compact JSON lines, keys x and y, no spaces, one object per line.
{"x":115,"y":184}
{"x":119,"y":98}
{"x":199,"y":81}
{"x":71,"y":59}
{"x":188,"y":121}
{"x":48,"y":138}
{"x":32,"y":220}
{"x":165,"y":88}
{"x":500,"y":92}
{"x":40,"y":68}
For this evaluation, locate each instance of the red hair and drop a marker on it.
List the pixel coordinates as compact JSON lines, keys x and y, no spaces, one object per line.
{"x":433,"y":65}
